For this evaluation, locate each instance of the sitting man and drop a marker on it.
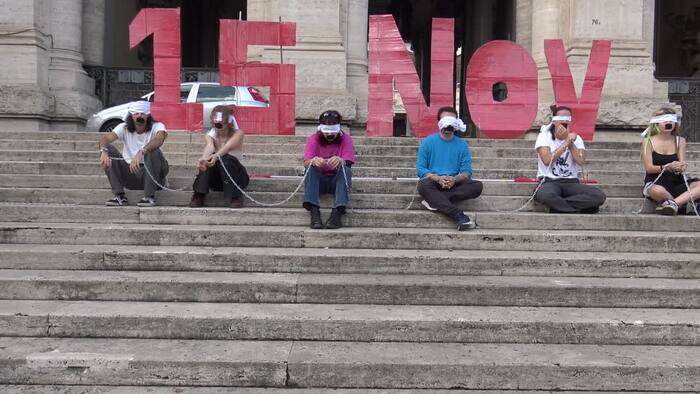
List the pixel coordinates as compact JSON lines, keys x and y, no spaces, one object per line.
{"x":444,"y":167}
{"x":328,"y":157}
{"x":142,"y":137}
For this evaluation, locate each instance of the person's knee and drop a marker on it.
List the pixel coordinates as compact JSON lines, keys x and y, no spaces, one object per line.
{"x":477,"y":188}
{"x":424,"y":185}
{"x":598,"y":197}
{"x":545,"y":195}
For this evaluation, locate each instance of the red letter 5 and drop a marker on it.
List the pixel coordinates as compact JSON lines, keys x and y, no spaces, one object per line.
{"x":235,"y":36}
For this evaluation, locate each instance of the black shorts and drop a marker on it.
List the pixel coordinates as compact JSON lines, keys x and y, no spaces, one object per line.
{"x":674,"y":185}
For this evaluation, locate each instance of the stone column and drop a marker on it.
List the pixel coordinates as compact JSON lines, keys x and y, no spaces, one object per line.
{"x":68,"y":81}
{"x":24,"y":94}
{"x":356,"y":49}
{"x":320,"y":58}
{"x":94,"y":31}
{"x":631,"y":92}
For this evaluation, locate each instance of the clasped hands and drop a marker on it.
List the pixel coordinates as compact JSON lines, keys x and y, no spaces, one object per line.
{"x":677,"y":167}
{"x":206,"y":161}
{"x":334,"y":162}
{"x":445,"y":181}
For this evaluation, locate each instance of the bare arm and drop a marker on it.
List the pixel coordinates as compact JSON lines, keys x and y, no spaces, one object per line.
{"x":547,"y":156}
{"x":235,"y":142}
{"x":577,"y":154}
{"x":156,"y":142}
{"x":209,"y":148}
{"x":647,"y":161}
{"x":106,"y":139}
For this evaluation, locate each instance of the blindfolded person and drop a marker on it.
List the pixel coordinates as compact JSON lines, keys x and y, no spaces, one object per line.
{"x":328,"y":159}
{"x":142,"y":137}
{"x":560,"y":153}
{"x":221,"y":157}
{"x":664,"y":151}
{"x":444,"y":166}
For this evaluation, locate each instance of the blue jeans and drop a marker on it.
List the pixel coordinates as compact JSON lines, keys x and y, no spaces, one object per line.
{"x":318,"y":183}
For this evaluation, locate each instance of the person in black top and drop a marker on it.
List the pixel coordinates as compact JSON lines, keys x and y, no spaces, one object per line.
{"x":663,"y":157}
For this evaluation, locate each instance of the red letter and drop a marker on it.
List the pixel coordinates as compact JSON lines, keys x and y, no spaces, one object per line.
{"x":585,"y":111}
{"x":390,"y":62}
{"x":164,"y":24}
{"x":511,"y":64}
{"x":235,"y":36}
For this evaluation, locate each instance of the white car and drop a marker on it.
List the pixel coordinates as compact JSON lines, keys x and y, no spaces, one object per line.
{"x":207,"y":93}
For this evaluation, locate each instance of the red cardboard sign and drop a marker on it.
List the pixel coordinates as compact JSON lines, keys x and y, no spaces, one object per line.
{"x":511,"y":64}
{"x":390,"y":62}
{"x":164,"y":25}
{"x":236,"y":36}
{"x":585,"y":110}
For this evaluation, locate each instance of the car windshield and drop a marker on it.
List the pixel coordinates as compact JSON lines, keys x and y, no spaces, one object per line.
{"x":209,"y":93}
{"x":184,"y":94}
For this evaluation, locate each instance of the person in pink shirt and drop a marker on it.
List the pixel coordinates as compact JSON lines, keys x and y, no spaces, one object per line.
{"x":328,"y":157}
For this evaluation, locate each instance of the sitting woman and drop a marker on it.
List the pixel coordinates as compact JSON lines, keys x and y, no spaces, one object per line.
{"x":225,"y":141}
{"x":663,"y":157}
{"x":560,"y":152}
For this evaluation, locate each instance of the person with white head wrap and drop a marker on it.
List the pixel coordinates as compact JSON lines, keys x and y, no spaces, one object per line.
{"x":223,"y":142}
{"x":664,"y":162}
{"x":444,"y":166}
{"x":142,"y":137}
{"x":559,"y":157}
{"x":328,"y":159}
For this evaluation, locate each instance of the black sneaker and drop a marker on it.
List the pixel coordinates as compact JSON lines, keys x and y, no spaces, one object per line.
{"x":147,"y":202}
{"x":463,"y":222}
{"x":316,"y":222}
{"x":335,"y":221}
{"x":117,"y":201}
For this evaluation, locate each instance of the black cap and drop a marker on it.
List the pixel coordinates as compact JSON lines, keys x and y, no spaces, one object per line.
{"x":330,"y":117}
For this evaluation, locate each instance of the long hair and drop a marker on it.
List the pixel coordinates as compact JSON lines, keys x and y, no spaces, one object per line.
{"x":226,"y":113}
{"x":654,"y":128}
{"x":556,"y":108}
{"x":131,"y":125}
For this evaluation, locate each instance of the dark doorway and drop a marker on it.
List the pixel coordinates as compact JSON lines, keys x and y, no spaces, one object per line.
{"x":677,"y":58}
{"x":476,"y":22}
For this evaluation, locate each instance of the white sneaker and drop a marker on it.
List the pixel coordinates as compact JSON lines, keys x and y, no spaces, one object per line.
{"x":427,"y":206}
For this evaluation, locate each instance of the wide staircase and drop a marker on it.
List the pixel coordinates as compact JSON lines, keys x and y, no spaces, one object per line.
{"x":123,"y":298}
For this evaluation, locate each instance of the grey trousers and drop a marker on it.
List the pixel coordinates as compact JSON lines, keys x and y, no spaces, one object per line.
{"x":120,"y":177}
{"x":569,"y":196}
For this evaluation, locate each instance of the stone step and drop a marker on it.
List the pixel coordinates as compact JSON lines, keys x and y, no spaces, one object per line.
{"x":252,"y":138}
{"x":195,"y":138}
{"x":492,"y":187}
{"x":72,"y":389}
{"x":348,"y":238}
{"x":159,"y":286}
{"x":348,"y":261}
{"x":47,"y":361}
{"x":361,"y":323}
{"x":297,"y":148}
{"x":262,"y":159}
{"x":88,"y":168}
{"x":58,"y":213}
{"x":506,"y":204}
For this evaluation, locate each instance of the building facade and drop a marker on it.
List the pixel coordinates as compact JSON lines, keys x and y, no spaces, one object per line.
{"x":62,"y":60}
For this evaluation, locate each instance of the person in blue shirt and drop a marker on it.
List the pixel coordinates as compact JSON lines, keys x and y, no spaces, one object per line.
{"x":444,"y":166}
